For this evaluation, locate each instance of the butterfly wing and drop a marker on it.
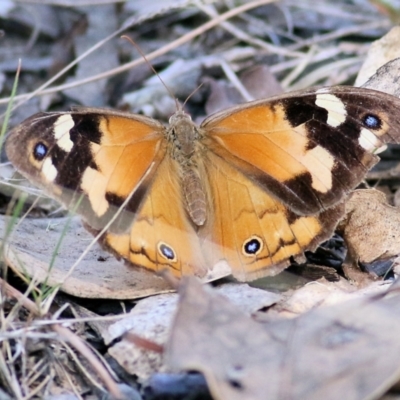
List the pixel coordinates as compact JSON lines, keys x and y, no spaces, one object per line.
{"x":254,"y":232}
{"x":278,"y":170}
{"x":306,"y":148}
{"x":162,"y":236}
{"x":274,"y":173}
{"x":91,"y":160}
{"x":112,"y":169}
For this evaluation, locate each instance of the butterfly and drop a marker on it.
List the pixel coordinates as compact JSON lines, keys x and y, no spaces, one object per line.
{"x":244,"y":193}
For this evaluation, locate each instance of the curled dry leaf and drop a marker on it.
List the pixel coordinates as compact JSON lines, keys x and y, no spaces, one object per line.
{"x":371,"y":227}
{"x":345,"y":351}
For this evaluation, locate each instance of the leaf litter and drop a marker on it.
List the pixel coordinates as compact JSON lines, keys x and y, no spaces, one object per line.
{"x":330,"y":352}
{"x":325,"y":339}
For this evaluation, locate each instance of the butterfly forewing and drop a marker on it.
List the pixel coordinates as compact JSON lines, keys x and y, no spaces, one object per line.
{"x":308,"y":148}
{"x":96,"y":158}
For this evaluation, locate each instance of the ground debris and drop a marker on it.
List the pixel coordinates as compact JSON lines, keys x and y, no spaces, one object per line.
{"x":331,"y":352}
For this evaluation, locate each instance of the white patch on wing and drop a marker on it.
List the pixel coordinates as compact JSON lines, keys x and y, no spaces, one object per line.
{"x":321,"y":176}
{"x":62,"y":128}
{"x":94,"y":184}
{"x":369,"y":141}
{"x":49,"y":171}
{"x":335,"y":107}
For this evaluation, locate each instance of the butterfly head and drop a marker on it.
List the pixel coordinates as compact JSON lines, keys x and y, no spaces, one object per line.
{"x":180,"y":116}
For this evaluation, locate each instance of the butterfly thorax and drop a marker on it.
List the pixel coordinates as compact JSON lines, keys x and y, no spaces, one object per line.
{"x":183,"y":133}
{"x":184,"y":136}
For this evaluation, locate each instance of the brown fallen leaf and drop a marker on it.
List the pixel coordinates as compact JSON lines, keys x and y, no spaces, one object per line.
{"x":221,"y":342}
{"x":258,"y":81}
{"x":346,"y":351}
{"x":371,"y":228}
{"x":151,"y":319}
{"x":221,"y":95}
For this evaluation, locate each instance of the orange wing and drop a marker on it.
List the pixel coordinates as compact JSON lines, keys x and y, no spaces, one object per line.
{"x":279,"y":169}
{"x":162,"y":236}
{"x":252,"y":231}
{"x":93,"y":160}
{"x":307,"y":148}
{"x":114,"y":169}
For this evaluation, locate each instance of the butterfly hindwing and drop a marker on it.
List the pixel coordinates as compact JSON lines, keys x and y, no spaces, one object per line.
{"x":263,"y":234}
{"x":162,"y":236}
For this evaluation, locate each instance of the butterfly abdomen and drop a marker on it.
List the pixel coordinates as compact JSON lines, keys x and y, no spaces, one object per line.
{"x":194,"y":196}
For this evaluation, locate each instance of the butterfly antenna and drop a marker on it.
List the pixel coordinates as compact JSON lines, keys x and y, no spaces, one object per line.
{"x":191,"y":94}
{"x":137,"y":47}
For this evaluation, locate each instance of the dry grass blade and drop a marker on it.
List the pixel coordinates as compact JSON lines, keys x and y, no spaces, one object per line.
{"x":63,"y":334}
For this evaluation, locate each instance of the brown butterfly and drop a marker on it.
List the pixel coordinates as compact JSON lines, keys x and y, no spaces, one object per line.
{"x":242,"y":193}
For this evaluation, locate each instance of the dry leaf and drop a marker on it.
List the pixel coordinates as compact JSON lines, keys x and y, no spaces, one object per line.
{"x":151,"y":319}
{"x":380,"y":52}
{"x":371,"y":227}
{"x":323,"y":293}
{"x":153,"y":99}
{"x":346,"y":351}
{"x":260,"y":82}
{"x":385,"y":79}
{"x":222,"y":95}
{"x":101,"y":23}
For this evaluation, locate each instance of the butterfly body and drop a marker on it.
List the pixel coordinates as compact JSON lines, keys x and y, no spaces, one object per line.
{"x":242,"y":193}
{"x":184,"y":136}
